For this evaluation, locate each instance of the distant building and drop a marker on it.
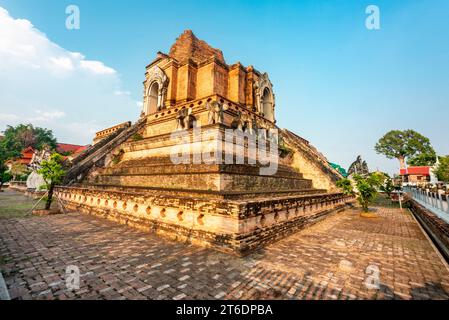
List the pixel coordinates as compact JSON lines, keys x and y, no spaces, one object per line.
{"x":26,"y":156}
{"x":416,"y":175}
{"x":68,"y":150}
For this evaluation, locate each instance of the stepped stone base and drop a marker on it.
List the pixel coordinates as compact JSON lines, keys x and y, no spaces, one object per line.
{"x":235,"y":226}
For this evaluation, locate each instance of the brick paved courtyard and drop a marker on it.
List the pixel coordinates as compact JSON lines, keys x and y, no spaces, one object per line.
{"x":334,"y":259}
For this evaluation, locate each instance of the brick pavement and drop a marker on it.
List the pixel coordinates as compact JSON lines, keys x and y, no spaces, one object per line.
{"x":337,"y":258}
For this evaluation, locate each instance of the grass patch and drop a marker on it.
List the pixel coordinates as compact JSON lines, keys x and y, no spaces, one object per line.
{"x":14,"y":204}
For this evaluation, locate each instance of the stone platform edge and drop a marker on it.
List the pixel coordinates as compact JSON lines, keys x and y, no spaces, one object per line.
{"x":237,"y":227}
{"x":437,"y":228}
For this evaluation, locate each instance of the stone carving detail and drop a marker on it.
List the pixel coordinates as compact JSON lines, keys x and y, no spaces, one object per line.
{"x":216,"y":112}
{"x":358,"y":167}
{"x":261,"y":87}
{"x":253,"y":126}
{"x":155,"y":76}
{"x":237,"y":121}
{"x":185,"y":119}
{"x":243,"y":121}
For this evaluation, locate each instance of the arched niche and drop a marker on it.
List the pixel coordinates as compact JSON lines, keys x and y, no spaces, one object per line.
{"x":155,"y":90}
{"x":267,"y":104}
{"x":153,"y":97}
{"x":265,"y":100}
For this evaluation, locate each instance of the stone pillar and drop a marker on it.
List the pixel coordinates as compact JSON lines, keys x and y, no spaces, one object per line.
{"x":159,"y":99}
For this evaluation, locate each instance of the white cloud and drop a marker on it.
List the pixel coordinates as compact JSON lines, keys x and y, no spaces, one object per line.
{"x":4,"y":117}
{"x":63,"y":63}
{"x":96,"y":67}
{"x":36,"y":73}
{"x":45,"y":116}
{"x":21,"y":42}
{"x":121,"y":93}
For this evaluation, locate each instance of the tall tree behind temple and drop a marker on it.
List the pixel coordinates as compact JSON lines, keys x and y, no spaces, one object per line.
{"x":442,"y":170}
{"x":403,"y":145}
{"x":423,"y":159}
{"x":22,"y":136}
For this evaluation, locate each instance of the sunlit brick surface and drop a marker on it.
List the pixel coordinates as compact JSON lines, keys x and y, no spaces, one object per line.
{"x":326,"y":261}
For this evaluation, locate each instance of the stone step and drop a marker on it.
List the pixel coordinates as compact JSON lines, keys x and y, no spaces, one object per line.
{"x":202,"y":194}
{"x":166,"y":160}
{"x":145,"y":169}
{"x":207,"y":181}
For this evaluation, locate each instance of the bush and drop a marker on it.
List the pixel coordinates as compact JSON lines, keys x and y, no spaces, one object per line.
{"x":346,"y":185}
{"x":117,"y":157}
{"x":365,"y":188}
{"x":53,"y":172}
{"x":136,"y":137}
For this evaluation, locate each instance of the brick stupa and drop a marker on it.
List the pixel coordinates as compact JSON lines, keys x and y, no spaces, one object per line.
{"x":128,"y":175}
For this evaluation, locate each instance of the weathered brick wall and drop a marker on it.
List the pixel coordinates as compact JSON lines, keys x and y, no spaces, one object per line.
{"x":189,"y":47}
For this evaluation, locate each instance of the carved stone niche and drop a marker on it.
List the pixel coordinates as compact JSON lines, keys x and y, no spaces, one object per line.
{"x":155,"y":90}
{"x":265,"y":99}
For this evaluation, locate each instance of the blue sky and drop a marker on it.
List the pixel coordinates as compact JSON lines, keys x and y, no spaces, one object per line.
{"x":337,"y":84}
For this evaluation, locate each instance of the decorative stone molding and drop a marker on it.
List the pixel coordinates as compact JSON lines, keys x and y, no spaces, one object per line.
{"x":155,"y":76}
{"x":237,"y":227}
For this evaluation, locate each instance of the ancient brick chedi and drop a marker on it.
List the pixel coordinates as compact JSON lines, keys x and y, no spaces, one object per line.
{"x":130,"y":175}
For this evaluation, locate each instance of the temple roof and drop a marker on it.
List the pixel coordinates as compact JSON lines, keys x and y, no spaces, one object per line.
{"x":71,"y":148}
{"x":188,"y":46}
{"x":421,"y":170}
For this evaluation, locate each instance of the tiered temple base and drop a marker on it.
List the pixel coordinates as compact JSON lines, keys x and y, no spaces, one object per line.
{"x":205,"y":218}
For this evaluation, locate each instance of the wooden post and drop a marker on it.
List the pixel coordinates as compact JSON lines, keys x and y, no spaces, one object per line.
{"x":31,"y":210}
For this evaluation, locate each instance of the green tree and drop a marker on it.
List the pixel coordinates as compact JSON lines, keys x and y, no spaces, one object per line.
{"x":22,"y":136}
{"x":346,"y":185}
{"x":365,"y":188}
{"x":377,"y":179}
{"x":17,"y":169}
{"x":442,"y":170}
{"x":401,"y":145}
{"x":388,"y":186}
{"x":5,"y":176}
{"x":52,"y":170}
{"x":423,"y":159}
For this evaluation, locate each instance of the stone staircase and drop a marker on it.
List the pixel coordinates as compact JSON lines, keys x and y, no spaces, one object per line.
{"x":97,"y":153}
{"x":311,"y":153}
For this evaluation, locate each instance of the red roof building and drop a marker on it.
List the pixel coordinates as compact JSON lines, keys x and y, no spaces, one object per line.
{"x":69,"y":148}
{"x":416,"y":174}
{"x":425,"y":171}
{"x":26,"y":156}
